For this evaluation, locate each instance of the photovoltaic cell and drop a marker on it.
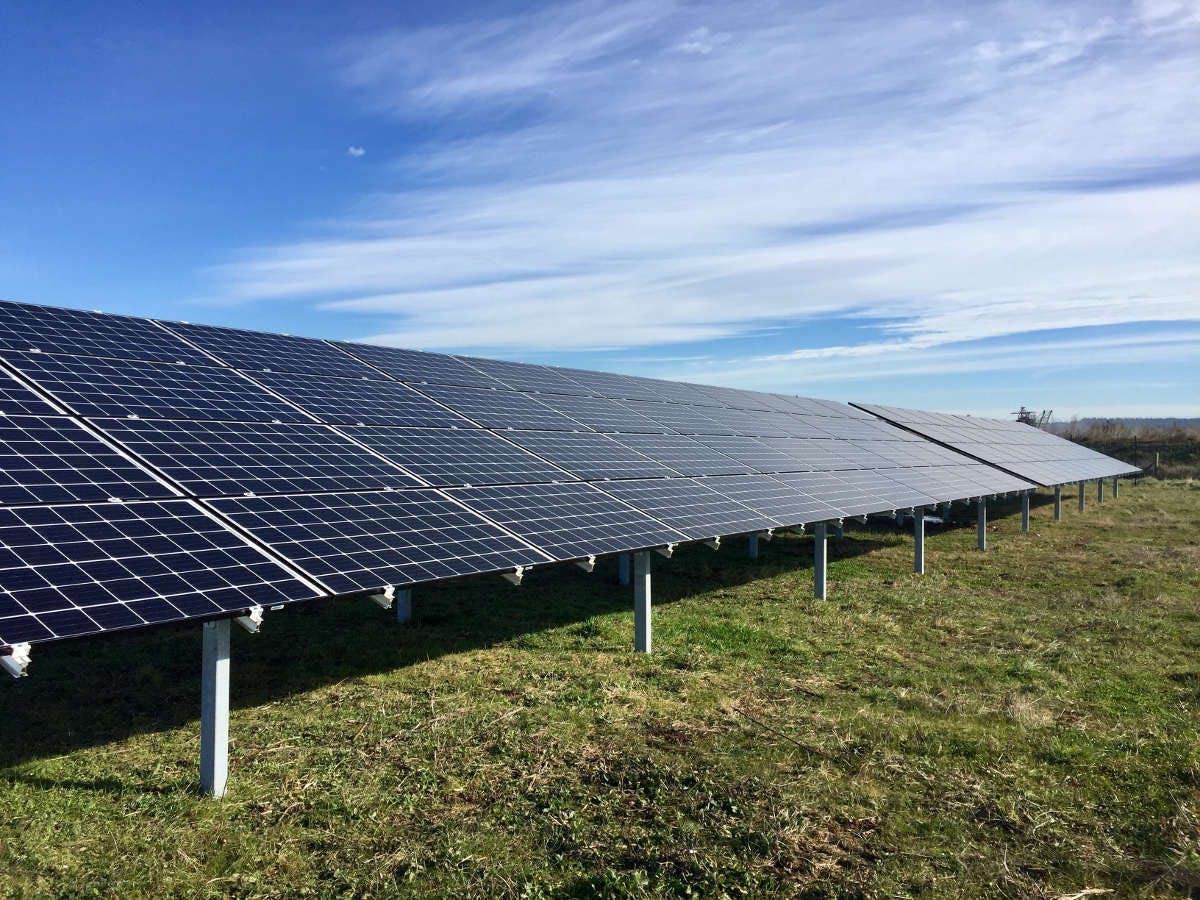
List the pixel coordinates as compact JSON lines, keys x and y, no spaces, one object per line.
{"x":501,"y":409}
{"x":612,"y":385}
{"x":602,"y":414}
{"x":364,"y":541}
{"x":48,"y":329}
{"x":568,"y":521}
{"x":81,"y":569}
{"x":525,"y":377}
{"x":685,"y":455}
{"x":262,"y":352}
{"x":17,"y":400}
{"x":773,"y":498}
{"x":464,"y":456}
{"x":51,"y":459}
{"x":357,"y":401}
{"x":213,"y":459}
{"x":690,"y":507}
{"x":679,"y":417}
{"x":589,"y":456}
{"x":414,"y":366}
{"x":120,"y":387}
{"x":754,"y":453}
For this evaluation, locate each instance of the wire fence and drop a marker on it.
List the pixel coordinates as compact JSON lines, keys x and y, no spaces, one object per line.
{"x":1157,"y":458}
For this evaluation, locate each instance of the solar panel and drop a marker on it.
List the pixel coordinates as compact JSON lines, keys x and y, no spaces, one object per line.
{"x":52,"y":459}
{"x":612,"y":385}
{"x":17,"y":400}
{"x":754,"y":423}
{"x":1019,"y":449}
{"x":773,"y":498}
{"x":687,"y":505}
{"x":685,"y":455}
{"x":568,"y":521}
{"x":49,"y":329}
{"x":526,"y":377}
{"x":754,"y":453}
{"x":119,"y":387}
{"x":357,"y":401}
{"x":414,"y":366}
{"x":364,"y":541}
{"x":231,"y":458}
{"x":589,"y":456}
{"x":501,"y":409}
{"x":462,"y":456}
{"x":678,"y":417}
{"x":262,"y":352}
{"x":854,"y":493}
{"x":81,"y":569}
{"x":602,"y":414}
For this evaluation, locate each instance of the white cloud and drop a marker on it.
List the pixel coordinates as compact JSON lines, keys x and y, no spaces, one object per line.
{"x":630,"y":177}
{"x":355,"y":151}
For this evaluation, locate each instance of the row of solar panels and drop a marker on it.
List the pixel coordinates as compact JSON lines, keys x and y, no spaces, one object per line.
{"x":156,"y":471}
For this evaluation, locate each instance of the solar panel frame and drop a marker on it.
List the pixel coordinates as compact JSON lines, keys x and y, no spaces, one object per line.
{"x":525,"y":376}
{"x":569,"y":520}
{"x":448,"y":457}
{"x":773,"y":498}
{"x":18,"y":400}
{"x":603,"y":415}
{"x":216,"y":459}
{"x":501,"y":409}
{"x":689,"y":506}
{"x":368,"y":540}
{"x":261,"y":351}
{"x":51,"y":329}
{"x":588,"y":455}
{"x":75,"y":569}
{"x":358,"y":401}
{"x":117,"y":388}
{"x":54,"y":459}
{"x":419,"y":367}
{"x":683,"y":454}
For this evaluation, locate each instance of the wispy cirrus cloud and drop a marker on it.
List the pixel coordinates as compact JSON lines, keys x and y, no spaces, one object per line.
{"x":616,"y":175}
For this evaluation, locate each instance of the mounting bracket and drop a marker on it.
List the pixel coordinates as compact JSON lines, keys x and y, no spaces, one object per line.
{"x":515,"y":576}
{"x":16,"y":660}
{"x":668,"y":551}
{"x":385,"y":598}
{"x":252,"y":621}
{"x":588,"y":565}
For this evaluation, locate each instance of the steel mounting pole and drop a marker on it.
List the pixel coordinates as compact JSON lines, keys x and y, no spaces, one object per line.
{"x":819,"y":560}
{"x":919,"y":540}
{"x":214,"y":709}
{"x":1058,"y":503}
{"x":642,"y":642}
{"x":981,"y":527}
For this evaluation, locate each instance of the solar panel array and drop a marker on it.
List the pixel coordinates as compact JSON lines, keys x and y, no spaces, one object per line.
{"x":156,"y":470}
{"x":1015,"y":447}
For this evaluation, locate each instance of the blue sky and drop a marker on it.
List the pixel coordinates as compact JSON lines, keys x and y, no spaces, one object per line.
{"x":964,"y":207}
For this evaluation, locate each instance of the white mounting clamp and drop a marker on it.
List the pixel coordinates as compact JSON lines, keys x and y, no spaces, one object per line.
{"x":252,"y":621}
{"x":588,"y":565}
{"x":766,"y":535}
{"x":668,"y":551}
{"x":715,"y":543}
{"x":385,"y":598}
{"x":16,"y":660}
{"x":515,"y":576}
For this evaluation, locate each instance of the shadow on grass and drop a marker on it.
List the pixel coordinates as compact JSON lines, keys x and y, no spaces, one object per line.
{"x":88,"y":693}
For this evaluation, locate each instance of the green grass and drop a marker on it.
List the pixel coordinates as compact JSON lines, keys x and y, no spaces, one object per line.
{"x":1017,"y":723}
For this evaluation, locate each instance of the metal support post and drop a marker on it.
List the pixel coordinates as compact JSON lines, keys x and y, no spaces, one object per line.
{"x":1099,"y":490}
{"x":214,"y":709}
{"x":1114,"y":487}
{"x":623,"y":569}
{"x":404,"y":606}
{"x":753,"y":552}
{"x":641,"y":602}
{"x":819,"y":560}
{"x":919,"y":540}
{"x":838,"y":531}
{"x":1082,"y":496}
{"x":1025,"y":513}
{"x":1058,"y":503}
{"x":981,"y":539}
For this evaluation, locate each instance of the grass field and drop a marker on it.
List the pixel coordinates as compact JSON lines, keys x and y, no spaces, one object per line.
{"x":1017,"y":723}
